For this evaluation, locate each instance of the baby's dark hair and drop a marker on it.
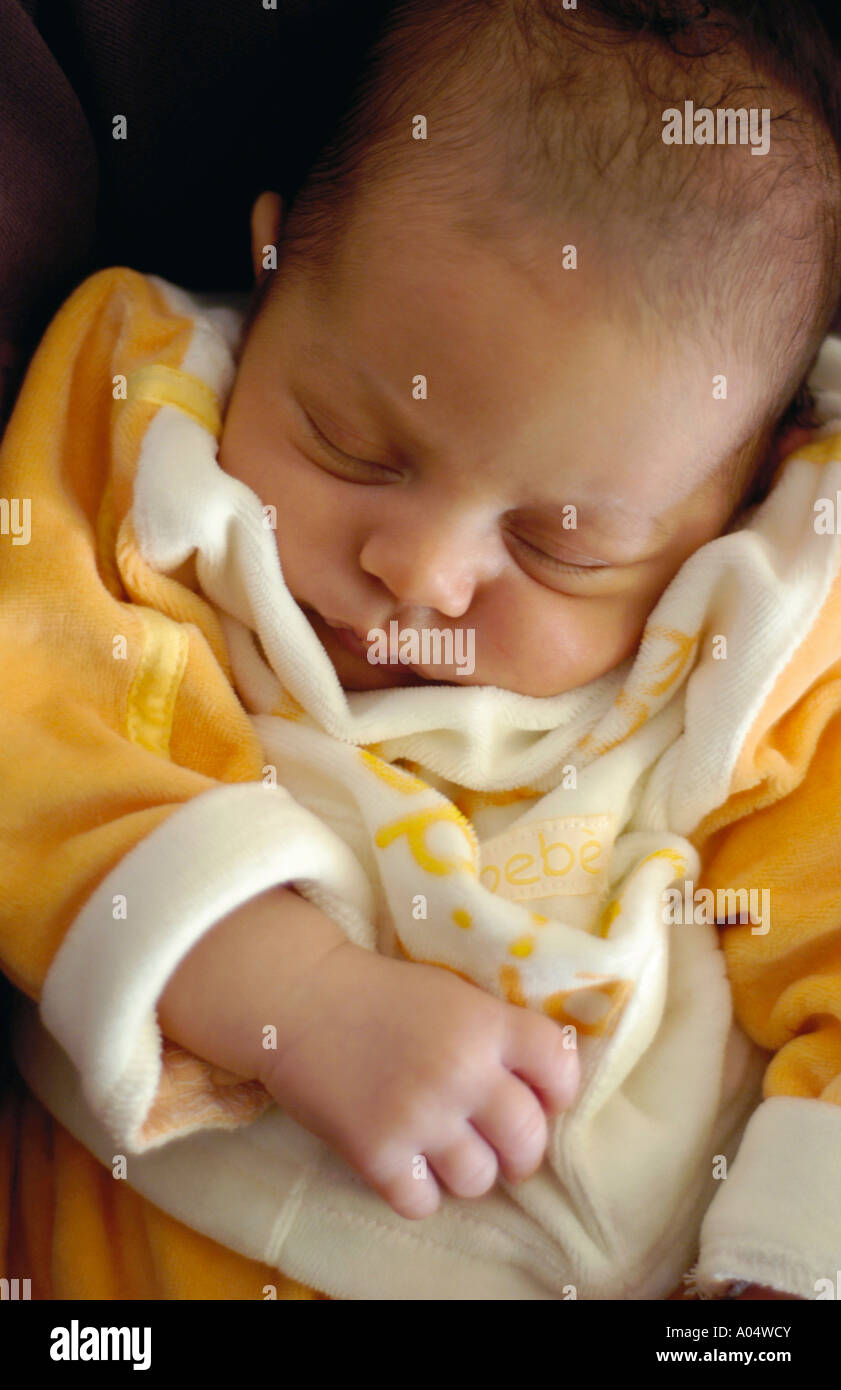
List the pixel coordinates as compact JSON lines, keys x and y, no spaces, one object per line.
{"x":541,"y":115}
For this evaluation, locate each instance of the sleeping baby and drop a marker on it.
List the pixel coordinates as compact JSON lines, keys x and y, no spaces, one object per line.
{"x":386,"y":937}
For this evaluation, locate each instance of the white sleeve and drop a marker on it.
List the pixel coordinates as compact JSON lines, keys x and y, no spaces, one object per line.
{"x":776,"y":1219}
{"x":212,"y":854}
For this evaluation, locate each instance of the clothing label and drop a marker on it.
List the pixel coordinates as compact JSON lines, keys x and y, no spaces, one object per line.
{"x":550,"y":858}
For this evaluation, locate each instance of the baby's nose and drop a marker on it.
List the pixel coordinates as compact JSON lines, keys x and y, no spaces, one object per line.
{"x":428,"y":565}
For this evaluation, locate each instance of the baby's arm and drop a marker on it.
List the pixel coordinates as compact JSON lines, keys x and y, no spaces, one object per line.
{"x":241,"y":974}
{"x":132,"y":811}
{"x":385,"y":1060}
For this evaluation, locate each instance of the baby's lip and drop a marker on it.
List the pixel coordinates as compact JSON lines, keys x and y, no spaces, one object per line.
{"x":340,"y":626}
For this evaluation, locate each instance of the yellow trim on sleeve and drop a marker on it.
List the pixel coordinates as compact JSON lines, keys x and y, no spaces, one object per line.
{"x":151,"y":699}
{"x":170,"y":386}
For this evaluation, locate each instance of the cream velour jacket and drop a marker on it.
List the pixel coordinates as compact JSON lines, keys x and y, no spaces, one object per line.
{"x":182,"y":743}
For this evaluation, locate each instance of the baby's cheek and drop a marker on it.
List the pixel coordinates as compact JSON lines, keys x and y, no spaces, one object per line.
{"x":605,"y":632}
{"x":570,"y":640}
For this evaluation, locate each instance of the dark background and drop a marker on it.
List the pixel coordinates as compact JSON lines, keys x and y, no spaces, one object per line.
{"x":222,"y":99}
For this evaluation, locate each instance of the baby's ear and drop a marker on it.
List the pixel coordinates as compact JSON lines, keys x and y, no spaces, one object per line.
{"x":266,"y":221}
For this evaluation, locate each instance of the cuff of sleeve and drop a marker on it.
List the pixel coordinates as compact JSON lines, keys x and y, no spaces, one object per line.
{"x":99,"y":1000}
{"x":776,"y":1219}
{"x":194,"y":1094}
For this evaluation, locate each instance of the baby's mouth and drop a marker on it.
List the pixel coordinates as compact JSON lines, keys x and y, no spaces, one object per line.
{"x":349,"y":638}
{"x":346,"y":635}
{"x":359,"y":644}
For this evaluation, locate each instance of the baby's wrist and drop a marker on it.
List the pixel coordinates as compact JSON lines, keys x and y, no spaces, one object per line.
{"x":302,"y":1009}
{"x":232,"y":997}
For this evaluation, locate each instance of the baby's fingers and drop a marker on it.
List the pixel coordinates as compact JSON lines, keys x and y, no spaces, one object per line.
{"x":404,"y":1180}
{"x":539,"y":1052}
{"x":514,"y":1123}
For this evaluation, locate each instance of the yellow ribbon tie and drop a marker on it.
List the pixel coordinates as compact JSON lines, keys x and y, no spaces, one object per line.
{"x":170,"y":386}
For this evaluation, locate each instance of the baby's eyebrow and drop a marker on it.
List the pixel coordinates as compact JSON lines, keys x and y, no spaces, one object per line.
{"x":610,"y":517}
{"x":590,"y":517}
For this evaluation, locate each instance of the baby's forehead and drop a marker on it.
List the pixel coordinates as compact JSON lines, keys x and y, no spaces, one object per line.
{"x":442,"y":353}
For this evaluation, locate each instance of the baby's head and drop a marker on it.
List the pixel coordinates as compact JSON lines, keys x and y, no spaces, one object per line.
{"x":506,"y":378}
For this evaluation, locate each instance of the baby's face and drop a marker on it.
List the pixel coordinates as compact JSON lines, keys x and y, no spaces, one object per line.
{"x":446,"y":502}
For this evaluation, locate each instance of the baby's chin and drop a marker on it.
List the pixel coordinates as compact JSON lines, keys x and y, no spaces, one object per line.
{"x":356,"y":673}
{"x":376,"y":677}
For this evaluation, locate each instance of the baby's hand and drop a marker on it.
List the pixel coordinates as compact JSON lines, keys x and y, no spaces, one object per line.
{"x":389,"y":1061}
